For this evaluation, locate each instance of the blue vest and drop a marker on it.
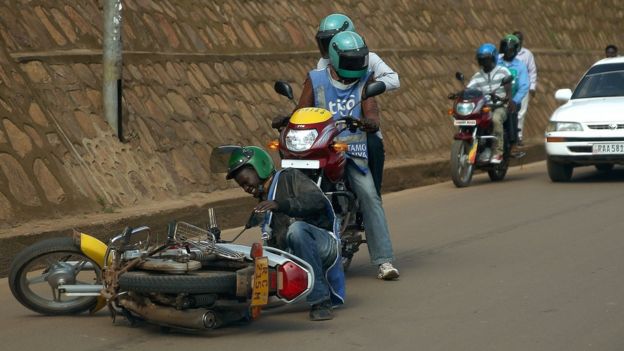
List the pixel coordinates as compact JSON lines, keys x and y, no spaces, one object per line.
{"x":334,"y":274}
{"x":339,"y":102}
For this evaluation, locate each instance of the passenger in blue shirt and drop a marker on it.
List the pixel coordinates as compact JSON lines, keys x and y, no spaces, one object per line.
{"x":509,"y":48}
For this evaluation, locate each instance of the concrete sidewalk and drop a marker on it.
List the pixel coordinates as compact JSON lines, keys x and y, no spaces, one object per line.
{"x":231,"y":206}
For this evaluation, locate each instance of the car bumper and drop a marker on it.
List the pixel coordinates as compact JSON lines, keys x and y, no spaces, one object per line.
{"x":578,"y":148}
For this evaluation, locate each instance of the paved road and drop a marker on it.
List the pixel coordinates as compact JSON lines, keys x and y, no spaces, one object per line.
{"x":520,"y":265}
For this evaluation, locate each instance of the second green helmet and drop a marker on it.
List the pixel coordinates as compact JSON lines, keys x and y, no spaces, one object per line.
{"x":330,"y":26}
{"x":254,"y":156}
{"x":348,"y":54}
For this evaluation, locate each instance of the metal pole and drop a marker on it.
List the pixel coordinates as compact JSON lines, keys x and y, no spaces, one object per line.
{"x":112,"y":66}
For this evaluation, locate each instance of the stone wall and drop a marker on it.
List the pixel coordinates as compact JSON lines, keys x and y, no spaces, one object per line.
{"x":199,"y":73}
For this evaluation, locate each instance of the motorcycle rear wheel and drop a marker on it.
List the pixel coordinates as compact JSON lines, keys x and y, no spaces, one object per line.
{"x":461,"y":170}
{"x":500,"y":171}
{"x":37,"y":269}
{"x":198,"y":282}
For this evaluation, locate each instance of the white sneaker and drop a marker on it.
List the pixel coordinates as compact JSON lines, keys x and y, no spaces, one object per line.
{"x":387,"y":271}
{"x":497,"y":159}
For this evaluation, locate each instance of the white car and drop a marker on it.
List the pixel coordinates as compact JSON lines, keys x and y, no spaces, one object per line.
{"x":589,"y":128}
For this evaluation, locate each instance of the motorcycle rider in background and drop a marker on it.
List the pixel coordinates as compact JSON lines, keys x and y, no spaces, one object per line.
{"x":488,"y":80}
{"x":509,"y":48}
{"x":525,"y":55}
{"x":338,"y":88}
{"x":330,"y":26}
{"x":299,"y":218}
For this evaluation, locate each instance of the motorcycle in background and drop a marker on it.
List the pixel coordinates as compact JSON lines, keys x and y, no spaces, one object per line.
{"x":473,"y":143}
{"x":192,"y":281}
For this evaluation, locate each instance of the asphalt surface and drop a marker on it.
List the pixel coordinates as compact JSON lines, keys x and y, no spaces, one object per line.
{"x":524,"y":264}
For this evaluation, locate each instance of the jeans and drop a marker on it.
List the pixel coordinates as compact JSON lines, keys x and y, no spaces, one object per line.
{"x":375,"y":224}
{"x":319,"y":249}
{"x":376,"y":159}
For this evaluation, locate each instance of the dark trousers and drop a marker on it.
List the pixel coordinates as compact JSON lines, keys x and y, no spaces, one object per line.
{"x":376,"y":159}
{"x":512,"y":126}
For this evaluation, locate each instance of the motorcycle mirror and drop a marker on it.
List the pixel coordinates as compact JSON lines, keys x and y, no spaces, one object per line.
{"x":283,"y":89}
{"x":373,"y":89}
{"x":507,"y":80}
{"x":459,"y":76}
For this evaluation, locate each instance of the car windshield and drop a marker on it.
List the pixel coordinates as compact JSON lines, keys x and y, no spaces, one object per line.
{"x":600,"y":84}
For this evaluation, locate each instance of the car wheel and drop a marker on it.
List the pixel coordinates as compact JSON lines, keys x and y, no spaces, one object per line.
{"x":604,"y":167}
{"x":559,"y":172}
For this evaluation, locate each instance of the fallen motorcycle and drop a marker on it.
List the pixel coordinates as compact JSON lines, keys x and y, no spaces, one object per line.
{"x":307,"y":142}
{"x":192,"y":280}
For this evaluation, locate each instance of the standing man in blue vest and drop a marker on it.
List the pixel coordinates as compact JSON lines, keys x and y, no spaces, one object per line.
{"x":338,"y":88}
{"x":299,"y":218}
{"x":328,"y":28}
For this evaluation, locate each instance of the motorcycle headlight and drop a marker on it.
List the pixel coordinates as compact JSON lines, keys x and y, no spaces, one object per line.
{"x":564,"y":127}
{"x":464,"y":108}
{"x":300,"y":140}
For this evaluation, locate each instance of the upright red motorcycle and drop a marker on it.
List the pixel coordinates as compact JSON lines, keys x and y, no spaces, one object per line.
{"x":473,"y":145}
{"x":307,"y":143}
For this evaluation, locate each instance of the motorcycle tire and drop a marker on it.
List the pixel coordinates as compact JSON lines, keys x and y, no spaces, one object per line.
{"x":200,"y":282}
{"x":21,"y":290}
{"x":461,"y":171}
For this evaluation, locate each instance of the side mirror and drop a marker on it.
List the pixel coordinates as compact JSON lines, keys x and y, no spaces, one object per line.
{"x":563,"y":95}
{"x":373,"y":89}
{"x":284,"y":89}
{"x":459,"y":76}
{"x":507,"y":80}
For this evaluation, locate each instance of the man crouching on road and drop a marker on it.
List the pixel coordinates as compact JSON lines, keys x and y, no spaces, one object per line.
{"x":297,"y":218}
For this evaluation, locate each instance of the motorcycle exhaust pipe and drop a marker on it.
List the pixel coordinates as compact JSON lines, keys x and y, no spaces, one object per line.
{"x":198,"y":318}
{"x":81,"y":289}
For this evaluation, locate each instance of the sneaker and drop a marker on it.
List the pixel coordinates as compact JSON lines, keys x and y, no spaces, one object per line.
{"x":387,"y":271}
{"x":497,"y":159}
{"x":520,"y":143}
{"x":321,"y":311}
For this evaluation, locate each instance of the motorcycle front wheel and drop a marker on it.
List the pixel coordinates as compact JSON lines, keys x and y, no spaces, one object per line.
{"x":461,"y":170}
{"x":37,"y":271}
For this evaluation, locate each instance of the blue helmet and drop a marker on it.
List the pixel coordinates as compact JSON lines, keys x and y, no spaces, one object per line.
{"x":487,"y":56}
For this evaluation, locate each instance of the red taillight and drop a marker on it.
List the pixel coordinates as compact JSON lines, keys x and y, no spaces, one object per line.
{"x":292,"y":281}
{"x":256,"y":250}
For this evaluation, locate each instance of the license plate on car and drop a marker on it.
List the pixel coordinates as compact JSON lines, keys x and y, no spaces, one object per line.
{"x":301,"y":164}
{"x":260,"y":289}
{"x":465,"y":122}
{"x":608,"y":148}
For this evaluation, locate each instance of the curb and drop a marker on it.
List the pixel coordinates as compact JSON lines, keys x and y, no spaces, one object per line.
{"x":233,"y":212}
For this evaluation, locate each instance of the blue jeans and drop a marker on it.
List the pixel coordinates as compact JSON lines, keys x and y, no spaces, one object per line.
{"x":375,"y":224}
{"x":319,"y":249}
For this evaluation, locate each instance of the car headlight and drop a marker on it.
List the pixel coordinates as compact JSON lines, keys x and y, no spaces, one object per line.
{"x":300,"y":140}
{"x":464,"y":108}
{"x":564,"y":127}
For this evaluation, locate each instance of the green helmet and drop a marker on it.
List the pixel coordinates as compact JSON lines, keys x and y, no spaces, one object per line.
{"x":509,"y":47}
{"x":348,"y":55}
{"x":330,"y":26}
{"x":254,"y":156}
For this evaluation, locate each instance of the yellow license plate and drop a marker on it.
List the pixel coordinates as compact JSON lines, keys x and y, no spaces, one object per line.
{"x":260,"y":290}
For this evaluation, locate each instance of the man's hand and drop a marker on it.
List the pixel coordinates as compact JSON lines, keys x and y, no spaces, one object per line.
{"x":511,"y":107}
{"x":266,"y":206}
{"x":532,"y":92}
{"x":369,"y":125}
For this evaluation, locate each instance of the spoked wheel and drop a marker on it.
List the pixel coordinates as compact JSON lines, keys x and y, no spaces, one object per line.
{"x":461,"y":170}
{"x":500,"y":170}
{"x":36,"y":273}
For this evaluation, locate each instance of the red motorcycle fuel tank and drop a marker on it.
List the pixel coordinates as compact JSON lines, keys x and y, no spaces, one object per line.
{"x":305,"y":125}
